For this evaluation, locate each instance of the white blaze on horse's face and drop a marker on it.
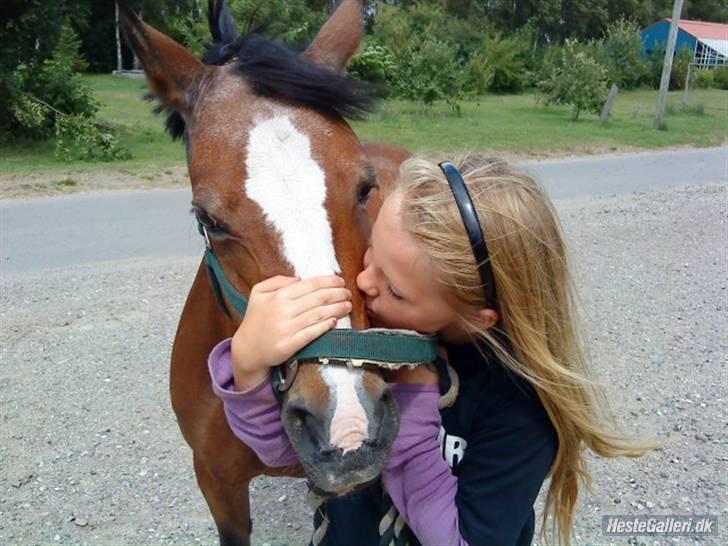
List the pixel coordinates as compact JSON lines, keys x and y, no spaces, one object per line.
{"x":290,"y":187}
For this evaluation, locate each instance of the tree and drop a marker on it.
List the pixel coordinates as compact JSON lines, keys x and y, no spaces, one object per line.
{"x":577,"y":80}
{"x":582,"y":20}
{"x":46,"y":97}
{"x":623,"y":48}
{"x":715,"y":11}
{"x":507,"y":60}
{"x":431,"y":73}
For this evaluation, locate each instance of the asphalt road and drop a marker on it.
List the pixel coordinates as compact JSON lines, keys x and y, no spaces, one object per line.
{"x":56,"y":232}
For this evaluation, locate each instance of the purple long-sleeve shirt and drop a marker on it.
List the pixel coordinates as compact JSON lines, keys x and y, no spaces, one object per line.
{"x":417,"y":477}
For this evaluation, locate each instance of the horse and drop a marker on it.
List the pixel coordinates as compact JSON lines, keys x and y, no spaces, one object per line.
{"x":280,"y":185}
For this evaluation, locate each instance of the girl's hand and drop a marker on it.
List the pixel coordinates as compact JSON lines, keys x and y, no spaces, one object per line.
{"x":284,"y":315}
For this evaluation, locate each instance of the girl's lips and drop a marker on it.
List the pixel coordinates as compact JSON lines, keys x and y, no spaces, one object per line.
{"x":374,"y":319}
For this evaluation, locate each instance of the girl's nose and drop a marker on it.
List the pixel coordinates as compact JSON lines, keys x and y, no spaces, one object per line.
{"x":366,"y":280}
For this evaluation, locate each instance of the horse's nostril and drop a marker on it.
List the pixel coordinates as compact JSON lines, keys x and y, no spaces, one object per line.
{"x":299,"y":415}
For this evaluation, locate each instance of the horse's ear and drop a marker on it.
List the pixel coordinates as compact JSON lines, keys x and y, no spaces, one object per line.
{"x":172,"y":71}
{"x":222,"y":24}
{"x":339,"y":38}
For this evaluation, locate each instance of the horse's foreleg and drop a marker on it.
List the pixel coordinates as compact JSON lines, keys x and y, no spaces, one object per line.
{"x":229,"y":505}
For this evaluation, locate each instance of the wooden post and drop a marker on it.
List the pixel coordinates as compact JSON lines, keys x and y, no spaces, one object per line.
{"x":119,"y":66}
{"x":609,"y":104}
{"x":687,"y":84}
{"x":667,"y":66}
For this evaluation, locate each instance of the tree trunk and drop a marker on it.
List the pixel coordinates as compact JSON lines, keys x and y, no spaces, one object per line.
{"x":119,"y":64}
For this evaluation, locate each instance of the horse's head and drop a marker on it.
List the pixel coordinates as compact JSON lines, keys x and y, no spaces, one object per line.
{"x":281,"y":182}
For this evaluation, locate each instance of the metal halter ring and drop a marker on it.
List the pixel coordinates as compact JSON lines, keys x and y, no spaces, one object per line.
{"x":286,"y":374}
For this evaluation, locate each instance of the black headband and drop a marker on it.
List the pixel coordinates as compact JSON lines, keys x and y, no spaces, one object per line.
{"x":472,"y":227}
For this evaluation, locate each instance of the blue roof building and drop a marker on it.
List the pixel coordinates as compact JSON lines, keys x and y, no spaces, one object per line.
{"x":707,"y":41}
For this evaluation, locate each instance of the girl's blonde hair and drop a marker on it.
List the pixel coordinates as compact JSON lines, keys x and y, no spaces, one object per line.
{"x":536,"y":302}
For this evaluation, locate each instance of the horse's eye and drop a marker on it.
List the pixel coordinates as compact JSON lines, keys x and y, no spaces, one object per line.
{"x":364,"y":191}
{"x":213,"y":226}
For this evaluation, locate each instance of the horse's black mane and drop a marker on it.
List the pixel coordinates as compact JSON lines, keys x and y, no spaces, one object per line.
{"x":274,"y":70}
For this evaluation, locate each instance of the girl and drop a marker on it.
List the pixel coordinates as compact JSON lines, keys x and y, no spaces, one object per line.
{"x":483,"y":264}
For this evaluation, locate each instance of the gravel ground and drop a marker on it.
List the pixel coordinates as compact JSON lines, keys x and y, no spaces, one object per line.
{"x":90,"y":452}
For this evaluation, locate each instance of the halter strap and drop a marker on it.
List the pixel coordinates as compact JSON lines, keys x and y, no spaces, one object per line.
{"x":375,"y":345}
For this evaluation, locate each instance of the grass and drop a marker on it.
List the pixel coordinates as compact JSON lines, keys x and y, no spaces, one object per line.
{"x":138,"y":128}
{"x":518,"y":124}
{"x":65,"y":183}
{"x":500,"y":124}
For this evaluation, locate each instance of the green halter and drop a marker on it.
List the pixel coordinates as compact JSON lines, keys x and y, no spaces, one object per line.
{"x":355,"y":348}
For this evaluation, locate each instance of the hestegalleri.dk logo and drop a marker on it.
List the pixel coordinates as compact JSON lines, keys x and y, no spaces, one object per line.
{"x":660,"y":525}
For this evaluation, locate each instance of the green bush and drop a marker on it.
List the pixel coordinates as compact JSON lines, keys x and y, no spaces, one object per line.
{"x":49,"y":99}
{"x":655,"y":61}
{"x":432,"y":73}
{"x":479,"y":74}
{"x":548,"y":58}
{"x":54,"y":82}
{"x":429,"y":65}
{"x":702,"y":78}
{"x":421,"y":35}
{"x":552,"y":57}
{"x":622,"y":49}
{"x":680,"y":67}
{"x":720,"y":78}
{"x":506,"y":57}
{"x":375,"y":64}
{"x":576,"y":80}
{"x":403,"y":28}
{"x":289,"y":21}
{"x":653,"y":67}
{"x":191,"y":31}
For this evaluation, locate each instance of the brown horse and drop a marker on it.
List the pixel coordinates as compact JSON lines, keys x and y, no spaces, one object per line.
{"x":282,"y":185}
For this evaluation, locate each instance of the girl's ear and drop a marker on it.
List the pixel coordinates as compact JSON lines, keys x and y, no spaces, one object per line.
{"x":486,"y":318}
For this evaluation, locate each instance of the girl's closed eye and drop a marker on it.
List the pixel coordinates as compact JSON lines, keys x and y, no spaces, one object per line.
{"x":393,"y":293}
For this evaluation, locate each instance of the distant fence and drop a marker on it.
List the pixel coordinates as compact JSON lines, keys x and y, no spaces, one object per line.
{"x":131,"y":74}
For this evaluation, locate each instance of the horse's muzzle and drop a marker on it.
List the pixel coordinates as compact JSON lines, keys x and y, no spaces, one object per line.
{"x":332,"y":469}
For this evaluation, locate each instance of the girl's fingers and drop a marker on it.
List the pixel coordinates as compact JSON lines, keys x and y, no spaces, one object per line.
{"x":312,"y":284}
{"x":274,"y":283}
{"x":307,"y":335}
{"x":320,"y":314}
{"x":319,"y":298}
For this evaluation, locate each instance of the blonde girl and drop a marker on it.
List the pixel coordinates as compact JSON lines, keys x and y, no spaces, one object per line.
{"x":471,"y":250}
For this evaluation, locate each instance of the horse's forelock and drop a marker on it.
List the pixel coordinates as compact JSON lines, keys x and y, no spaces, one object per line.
{"x":278,"y":72}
